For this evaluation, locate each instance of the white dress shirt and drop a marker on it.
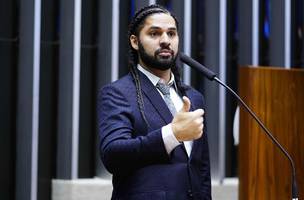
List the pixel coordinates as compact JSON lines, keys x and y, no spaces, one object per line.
{"x":168,"y":136}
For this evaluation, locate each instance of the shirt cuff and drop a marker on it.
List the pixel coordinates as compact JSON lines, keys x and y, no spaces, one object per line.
{"x":169,"y":138}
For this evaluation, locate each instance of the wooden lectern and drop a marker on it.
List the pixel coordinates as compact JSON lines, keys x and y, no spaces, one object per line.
{"x":276,"y":95}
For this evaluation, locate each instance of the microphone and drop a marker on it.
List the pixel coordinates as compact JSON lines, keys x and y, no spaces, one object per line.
{"x":212,"y":76}
{"x":198,"y":66}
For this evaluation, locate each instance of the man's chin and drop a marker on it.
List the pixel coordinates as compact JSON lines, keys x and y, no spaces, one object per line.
{"x":163,"y":66}
{"x":164,"y":63}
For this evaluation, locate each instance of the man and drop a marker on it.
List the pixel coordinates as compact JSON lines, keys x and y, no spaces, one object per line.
{"x":151,"y":129}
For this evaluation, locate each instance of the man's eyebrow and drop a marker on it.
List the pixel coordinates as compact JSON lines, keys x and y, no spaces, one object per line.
{"x":172,"y":29}
{"x":157,"y":28}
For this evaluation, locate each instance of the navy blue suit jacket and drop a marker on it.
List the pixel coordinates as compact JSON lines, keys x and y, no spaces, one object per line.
{"x":135,"y":153}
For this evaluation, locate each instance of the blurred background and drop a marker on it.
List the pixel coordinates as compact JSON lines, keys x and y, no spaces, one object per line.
{"x":56,"y":54}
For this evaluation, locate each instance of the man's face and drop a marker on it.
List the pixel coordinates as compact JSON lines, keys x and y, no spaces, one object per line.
{"x":157,"y":44}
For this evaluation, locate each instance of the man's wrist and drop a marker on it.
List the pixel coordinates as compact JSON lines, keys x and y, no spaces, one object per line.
{"x":169,"y":138}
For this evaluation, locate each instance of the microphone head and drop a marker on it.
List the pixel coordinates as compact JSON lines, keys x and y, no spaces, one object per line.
{"x":196,"y":65}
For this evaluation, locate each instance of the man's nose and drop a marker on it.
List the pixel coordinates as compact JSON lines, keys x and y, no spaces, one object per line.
{"x":164,"y":39}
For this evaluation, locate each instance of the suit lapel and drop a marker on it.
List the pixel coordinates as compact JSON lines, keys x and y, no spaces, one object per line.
{"x":155,"y":98}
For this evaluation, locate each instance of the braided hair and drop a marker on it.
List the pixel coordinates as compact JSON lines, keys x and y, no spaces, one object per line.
{"x":135,"y":27}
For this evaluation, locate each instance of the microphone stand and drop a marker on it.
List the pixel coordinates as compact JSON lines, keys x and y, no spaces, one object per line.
{"x":212,"y":76}
{"x":294,"y":189}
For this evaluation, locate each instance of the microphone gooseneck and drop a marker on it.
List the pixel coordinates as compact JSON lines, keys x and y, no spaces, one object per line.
{"x":212,"y":76}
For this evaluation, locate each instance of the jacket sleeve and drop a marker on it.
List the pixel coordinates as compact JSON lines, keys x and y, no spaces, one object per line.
{"x":121,"y":148}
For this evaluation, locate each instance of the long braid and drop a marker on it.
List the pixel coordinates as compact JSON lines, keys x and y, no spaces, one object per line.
{"x":134,"y":28}
{"x":139,"y":96}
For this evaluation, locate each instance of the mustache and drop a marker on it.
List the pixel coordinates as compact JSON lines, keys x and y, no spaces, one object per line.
{"x":164,"y":49}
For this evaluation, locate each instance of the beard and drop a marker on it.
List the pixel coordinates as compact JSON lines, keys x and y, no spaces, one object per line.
{"x":157,"y":61}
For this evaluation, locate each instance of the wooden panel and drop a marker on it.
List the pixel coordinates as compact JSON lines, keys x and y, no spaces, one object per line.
{"x":277,"y":97}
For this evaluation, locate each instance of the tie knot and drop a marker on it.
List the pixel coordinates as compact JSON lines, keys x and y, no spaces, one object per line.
{"x":164,"y":89}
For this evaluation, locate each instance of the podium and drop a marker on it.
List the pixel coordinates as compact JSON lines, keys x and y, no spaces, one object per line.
{"x":276,"y":95}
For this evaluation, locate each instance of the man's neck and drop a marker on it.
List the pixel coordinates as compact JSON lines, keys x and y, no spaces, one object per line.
{"x":163,"y":74}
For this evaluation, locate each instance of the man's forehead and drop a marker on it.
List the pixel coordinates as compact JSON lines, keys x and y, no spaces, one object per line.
{"x":160,"y":20}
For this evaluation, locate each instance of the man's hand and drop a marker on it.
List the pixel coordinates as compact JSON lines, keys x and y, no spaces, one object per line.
{"x":188,"y":125}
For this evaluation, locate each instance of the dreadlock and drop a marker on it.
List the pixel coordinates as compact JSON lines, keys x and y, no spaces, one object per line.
{"x":135,"y":27}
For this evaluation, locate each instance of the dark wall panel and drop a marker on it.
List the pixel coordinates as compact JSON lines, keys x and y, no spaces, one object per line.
{"x":245,"y":32}
{"x":65,"y":92}
{"x":48,"y":97}
{"x":231,"y":80}
{"x":87,"y":118}
{"x":26,"y":138}
{"x":277,"y":26}
{"x":103,"y":68}
{"x":8,"y":58}
{"x":124,"y":19}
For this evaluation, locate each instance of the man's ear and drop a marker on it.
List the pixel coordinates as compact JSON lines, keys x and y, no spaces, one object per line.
{"x":134,"y":42}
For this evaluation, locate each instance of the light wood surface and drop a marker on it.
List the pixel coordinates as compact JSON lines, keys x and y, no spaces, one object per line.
{"x":276,"y":95}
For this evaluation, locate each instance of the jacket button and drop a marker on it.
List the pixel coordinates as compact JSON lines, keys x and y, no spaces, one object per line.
{"x":190,"y":194}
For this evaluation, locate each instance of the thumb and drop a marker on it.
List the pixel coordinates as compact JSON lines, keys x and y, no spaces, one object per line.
{"x":187,"y":104}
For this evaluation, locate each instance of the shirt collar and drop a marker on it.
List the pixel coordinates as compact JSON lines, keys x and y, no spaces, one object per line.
{"x":153,"y":78}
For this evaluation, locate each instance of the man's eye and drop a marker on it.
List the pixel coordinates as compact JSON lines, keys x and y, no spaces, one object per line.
{"x":153,"y":34}
{"x":171,"y":34}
